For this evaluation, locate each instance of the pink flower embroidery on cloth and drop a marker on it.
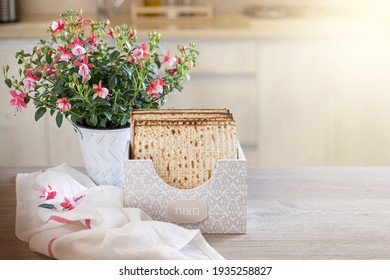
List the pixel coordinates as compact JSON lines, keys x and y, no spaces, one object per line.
{"x":17,"y":100}
{"x":77,"y":47}
{"x":84,"y":68}
{"x":63,"y":105}
{"x":100,"y":91}
{"x":47,"y":193}
{"x":68,"y":204}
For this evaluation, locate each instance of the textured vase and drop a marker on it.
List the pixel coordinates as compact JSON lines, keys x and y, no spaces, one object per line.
{"x":103,"y":151}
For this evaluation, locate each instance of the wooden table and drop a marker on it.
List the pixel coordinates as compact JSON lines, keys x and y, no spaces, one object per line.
{"x":293,"y":213}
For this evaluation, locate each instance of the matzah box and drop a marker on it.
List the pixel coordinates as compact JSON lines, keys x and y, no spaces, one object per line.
{"x":217,"y":206}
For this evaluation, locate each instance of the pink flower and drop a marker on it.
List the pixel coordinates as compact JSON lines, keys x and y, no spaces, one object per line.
{"x":110,"y":32}
{"x":58,"y":26}
{"x":63,"y":105}
{"x":84,"y":68}
{"x":170,"y":59}
{"x":179,"y":60}
{"x":77,"y":198}
{"x":162,"y":82}
{"x":172,"y":71}
{"x":67,"y":204}
{"x":84,"y":22}
{"x":156,"y":87}
{"x":30,"y":81}
{"x":100,"y":91}
{"x":139,"y":54}
{"x":132,"y":33}
{"x":45,"y":70}
{"x":18,"y":100}
{"x":65,"y":55}
{"x":141,"y":51}
{"x":47,"y":193}
{"x":77,"y":47}
{"x":92,"y":39}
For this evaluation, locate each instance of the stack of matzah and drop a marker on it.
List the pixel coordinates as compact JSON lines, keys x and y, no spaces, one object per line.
{"x":184,"y":145}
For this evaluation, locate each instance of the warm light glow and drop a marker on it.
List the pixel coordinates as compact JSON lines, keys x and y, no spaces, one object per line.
{"x":363,"y":8}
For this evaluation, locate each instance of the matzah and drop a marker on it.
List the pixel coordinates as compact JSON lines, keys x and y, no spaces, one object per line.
{"x":184,"y":145}
{"x":165,"y":114}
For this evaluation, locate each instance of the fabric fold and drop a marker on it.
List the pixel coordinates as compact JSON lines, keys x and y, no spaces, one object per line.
{"x":61,"y":213}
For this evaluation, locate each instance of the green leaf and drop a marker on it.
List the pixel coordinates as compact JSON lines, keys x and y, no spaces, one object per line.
{"x":125,"y":119}
{"x":58,"y":87}
{"x":8,"y":82}
{"x":93,"y":119}
{"x":112,"y":82}
{"x":127,"y":70}
{"x":27,"y":99}
{"x":103,"y":122}
{"x":77,"y":105}
{"x":154,"y":105}
{"x":102,"y":102}
{"x":114,"y":55}
{"x":157,"y":61}
{"x":39,"y":113}
{"x":115,"y":107}
{"x":59,"y":119}
{"x":108,"y":115}
{"x":48,"y":59}
{"x":179,"y":88}
{"x":74,"y":118}
{"x":46,"y":205}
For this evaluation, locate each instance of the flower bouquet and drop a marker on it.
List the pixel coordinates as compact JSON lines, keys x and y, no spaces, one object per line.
{"x":94,"y":74}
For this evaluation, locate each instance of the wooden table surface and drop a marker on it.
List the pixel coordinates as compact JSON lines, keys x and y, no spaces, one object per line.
{"x":293,"y":213}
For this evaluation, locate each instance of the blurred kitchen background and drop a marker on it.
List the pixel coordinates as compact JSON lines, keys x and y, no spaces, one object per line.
{"x":307,"y":81}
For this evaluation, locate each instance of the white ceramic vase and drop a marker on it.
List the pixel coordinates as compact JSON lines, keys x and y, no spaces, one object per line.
{"x":104,"y":154}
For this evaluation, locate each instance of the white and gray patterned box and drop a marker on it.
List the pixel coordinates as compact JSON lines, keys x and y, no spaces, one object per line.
{"x":218,"y":206}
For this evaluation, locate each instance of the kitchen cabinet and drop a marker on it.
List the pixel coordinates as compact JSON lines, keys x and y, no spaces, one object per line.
{"x":292,"y":93}
{"x":324,"y":102}
{"x":358,"y":116}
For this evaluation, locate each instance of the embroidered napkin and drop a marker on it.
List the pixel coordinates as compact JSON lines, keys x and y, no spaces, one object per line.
{"x":62,"y":214}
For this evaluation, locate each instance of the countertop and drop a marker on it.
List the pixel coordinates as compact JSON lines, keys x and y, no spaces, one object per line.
{"x":235,"y":26}
{"x":293,"y":213}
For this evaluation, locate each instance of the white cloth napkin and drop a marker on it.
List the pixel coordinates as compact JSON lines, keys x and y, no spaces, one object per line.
{"x":98,"y":226}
